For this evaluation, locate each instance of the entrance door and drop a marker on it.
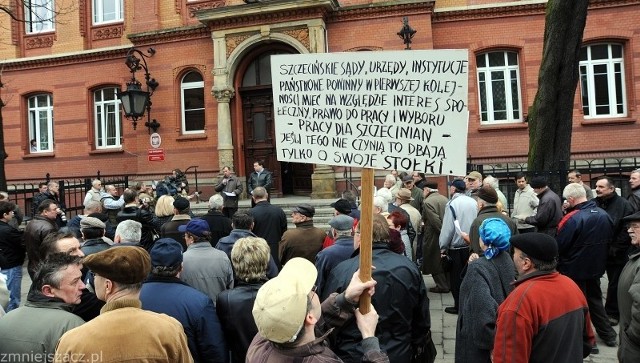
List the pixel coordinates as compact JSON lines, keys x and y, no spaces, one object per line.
{"x":259,"y":128}
{"x":259,"y":131}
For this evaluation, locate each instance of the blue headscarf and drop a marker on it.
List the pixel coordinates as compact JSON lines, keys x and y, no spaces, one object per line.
{"x":495,"y":235}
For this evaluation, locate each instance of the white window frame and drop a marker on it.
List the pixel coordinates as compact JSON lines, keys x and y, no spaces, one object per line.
{"x":34,"y":120}
{"x":506,"y":69}
{"x":101,"y":113}
{"x":183,"y":87}
{"x":98,"y":12}
{"x":39,"y":16}
{"x":610,"y":63}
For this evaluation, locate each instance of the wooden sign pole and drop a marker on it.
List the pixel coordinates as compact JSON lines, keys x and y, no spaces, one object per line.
{"x":366,"y":233}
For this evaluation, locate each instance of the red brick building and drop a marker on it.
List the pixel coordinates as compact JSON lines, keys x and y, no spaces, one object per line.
{"x":214,"y":96}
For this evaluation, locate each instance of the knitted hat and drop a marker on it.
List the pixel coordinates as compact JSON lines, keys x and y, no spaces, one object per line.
{"x":488,"y":194}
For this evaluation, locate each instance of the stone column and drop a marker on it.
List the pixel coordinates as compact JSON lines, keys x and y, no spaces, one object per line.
{"x":323,"y":179}
{"x":225,"y":140}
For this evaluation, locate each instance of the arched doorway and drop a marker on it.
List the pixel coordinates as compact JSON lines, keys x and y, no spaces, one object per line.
{"x":258,"y":123}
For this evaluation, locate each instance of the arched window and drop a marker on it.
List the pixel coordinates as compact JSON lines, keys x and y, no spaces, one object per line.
{"x":107,"y":121}
{"x":192,"y":91}
{"x":602,"y":83}
{"x":40,"y":110}
{"x":499,"y":87}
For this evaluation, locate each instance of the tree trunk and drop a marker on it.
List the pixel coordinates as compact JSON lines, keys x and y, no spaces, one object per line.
{"x":551,"y":116}
{"x":3,"y":152}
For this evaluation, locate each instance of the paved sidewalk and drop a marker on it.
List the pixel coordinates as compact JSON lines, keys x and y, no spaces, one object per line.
{"x":443,"y":328}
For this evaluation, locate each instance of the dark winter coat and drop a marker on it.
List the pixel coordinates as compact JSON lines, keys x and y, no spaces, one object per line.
{"x":629,"y":304}
{"x":583,"y":239}
{"x":150,"y":224}
{"x":193,"y":309}
{"x":549,"y":213}
{"x":12,"y":250}
{"x":400,"y":300}
{"x":219,"y":225}
{"x":617,"y":208}
{"x":484,"y":287}
{"x":270,"y":223}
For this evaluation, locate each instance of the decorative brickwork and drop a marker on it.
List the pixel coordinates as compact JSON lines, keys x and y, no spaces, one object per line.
{"x":195,"y":7}
{"x":234,"y":40}
{"x":39,"y":41}
{"x":301,"y":35}
{"x":109,"y":32}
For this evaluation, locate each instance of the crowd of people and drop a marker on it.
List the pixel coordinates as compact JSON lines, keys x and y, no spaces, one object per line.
{"x":125,"y":282}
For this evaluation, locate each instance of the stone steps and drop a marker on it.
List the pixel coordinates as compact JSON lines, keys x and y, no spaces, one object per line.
{"x":324,"y":212}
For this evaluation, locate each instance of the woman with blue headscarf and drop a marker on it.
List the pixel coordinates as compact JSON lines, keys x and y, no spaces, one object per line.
{"x":486,"y":284}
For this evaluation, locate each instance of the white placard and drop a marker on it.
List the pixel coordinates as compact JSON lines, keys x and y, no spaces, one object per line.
{"x":403,"y":110}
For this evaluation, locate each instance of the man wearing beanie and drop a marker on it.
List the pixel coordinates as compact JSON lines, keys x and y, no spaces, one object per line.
{"x":487,"y":200}
{"x":549,"y":212}
{"x":287,"y":312}
{"x":123,"y":331}
{"x":546,"y":317}
{"x":164,"y":292}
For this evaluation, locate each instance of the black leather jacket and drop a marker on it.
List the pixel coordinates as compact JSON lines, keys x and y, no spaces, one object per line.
{"x":234,"y":311}
{"x":150,"y":224}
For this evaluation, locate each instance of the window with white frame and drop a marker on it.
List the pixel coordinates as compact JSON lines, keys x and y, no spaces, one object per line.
{"x":108,"y":124}
{"x":192,"y":91}
{"x":499,"y":87}
{"x":107,"y":11}
{"x":40,"y":110}
{"x":39,"y":15}
{"x":602,"y":81}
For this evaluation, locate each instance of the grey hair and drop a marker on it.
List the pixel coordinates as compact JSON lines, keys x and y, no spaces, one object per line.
{"x":129,"y":231}
{"x":380,"y":202}
{"x":95,"y":182}
{"x":216,"y":201}
{"x":574,"y":190}
{"x":93,"y":206}
{"x":492,"y":182}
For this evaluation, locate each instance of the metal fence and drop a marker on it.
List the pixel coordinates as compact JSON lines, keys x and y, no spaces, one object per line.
{"x":71,"y":194}
{"x":618,"y":170}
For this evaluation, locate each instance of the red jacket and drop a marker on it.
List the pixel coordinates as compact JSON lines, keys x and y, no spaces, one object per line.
{"x":545,"y":319}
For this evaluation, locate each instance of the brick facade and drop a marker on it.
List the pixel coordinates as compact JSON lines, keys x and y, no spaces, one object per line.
{"x":81,"y":57}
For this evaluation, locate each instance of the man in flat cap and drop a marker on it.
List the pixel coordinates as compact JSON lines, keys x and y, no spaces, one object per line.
{"x":341,"y":250}
{"x":416,"y":193}
{"x":164,"y":292}
{"x":288,"y":312}
{"x":404,"y":200}
{"x":92,"y":230}
{"x":473,"y":182}
{"x":546,"y":317}
{"x":629,"y":296}
{"x":181,"y":208}
{"x":303,"y":241}
{"x":123,"y":331}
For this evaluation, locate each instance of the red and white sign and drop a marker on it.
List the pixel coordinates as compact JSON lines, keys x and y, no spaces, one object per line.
{"x":155,"y":155}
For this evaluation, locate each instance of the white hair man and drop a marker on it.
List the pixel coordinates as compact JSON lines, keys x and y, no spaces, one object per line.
{"x":219,"y":223}
{"x":583,"y":242}
{"x":128,"y":233}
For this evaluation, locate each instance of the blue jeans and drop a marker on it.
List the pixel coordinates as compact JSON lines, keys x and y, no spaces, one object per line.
{"x":14,"y":284}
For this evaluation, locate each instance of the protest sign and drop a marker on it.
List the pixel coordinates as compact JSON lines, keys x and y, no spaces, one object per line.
{"x":403,"y":110}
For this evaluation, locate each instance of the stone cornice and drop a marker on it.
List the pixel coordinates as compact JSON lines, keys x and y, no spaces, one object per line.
{"x":512,"y":9}
{"x":169,"y":35}
{"x":265,"y":13}
{"x":64,"y":59}
{"x":390,"y":8}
